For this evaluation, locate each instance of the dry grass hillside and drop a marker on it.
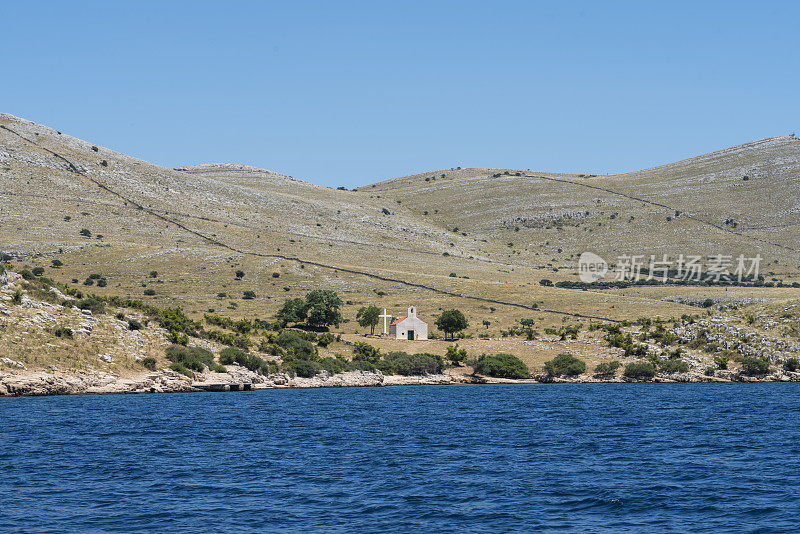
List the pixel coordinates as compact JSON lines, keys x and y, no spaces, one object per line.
{"x":475,"y":239}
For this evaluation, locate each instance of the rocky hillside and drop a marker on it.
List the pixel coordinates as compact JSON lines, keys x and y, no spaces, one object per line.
{"x":487,"y":241}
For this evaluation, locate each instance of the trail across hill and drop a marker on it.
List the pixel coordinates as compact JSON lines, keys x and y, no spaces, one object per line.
{"x":214,"y":241}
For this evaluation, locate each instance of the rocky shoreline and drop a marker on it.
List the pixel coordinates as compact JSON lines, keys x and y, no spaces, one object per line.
{"x":47,"y":383}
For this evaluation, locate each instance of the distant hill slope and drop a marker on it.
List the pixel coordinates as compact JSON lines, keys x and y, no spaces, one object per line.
{"x":744,"y":199}
{"x":477,"y":239}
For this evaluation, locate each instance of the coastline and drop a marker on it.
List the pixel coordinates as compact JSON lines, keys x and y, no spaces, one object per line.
{"x":55,"y":383}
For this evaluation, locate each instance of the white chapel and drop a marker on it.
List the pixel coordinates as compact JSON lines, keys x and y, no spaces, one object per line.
{"x":406,"y":327}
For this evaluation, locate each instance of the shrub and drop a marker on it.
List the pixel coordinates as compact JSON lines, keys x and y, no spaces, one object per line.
{"x":85,"y":232}
{"x":63,"y":331}
{"x":405,"y":364}
{"x":607,"y":368}
{"x":133,"y":324}
{"x":365,"y":352}
{"x":102,"y":282}
{"x":231,"y":355}
{"x":149,"y":363}
{"x":673,"y":366}
{"x":149,"y":292}
{"x":194,"y":358}
{"x":791,"y":364}
{"x":249,"y":295}
{"x":92,"y":304}
{"x":710,"y":370}
{"x":297,"y":347}
{"x":565,"y":364}
{"x":502,"y":366}
{"x":639,"y":370}
{"x":88,"y":282}
{"x":333,"y":365}
{"x":545,"y":282}
{"x":27,"y":275}
{"x":180,"y":368}
{"x":325,"y":339}
{"x":456,"y":355}
{"x":16,"y":298}
{"x":239,"y":274}
{"x":303,"y":368}
{"x":38,"y":271}
{"x":153,"y":274}
{"x":754,"y":366}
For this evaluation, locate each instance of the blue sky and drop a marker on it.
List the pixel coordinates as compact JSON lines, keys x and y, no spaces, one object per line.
{"x":348,"y":93}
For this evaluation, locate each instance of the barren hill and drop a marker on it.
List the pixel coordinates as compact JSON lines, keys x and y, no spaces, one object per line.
{"x":477,"y":239}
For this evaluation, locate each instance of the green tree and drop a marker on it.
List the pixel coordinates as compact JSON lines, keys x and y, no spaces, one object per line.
{"x":527,"y":327}
{"x":293,"y":311}
{"x":323,"y":308}
{"x":451,"y":321}
{"x":368,"y":316}
{"x":456,"y":355}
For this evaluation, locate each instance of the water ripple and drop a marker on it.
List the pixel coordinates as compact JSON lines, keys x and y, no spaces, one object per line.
{"x":589,"y":458}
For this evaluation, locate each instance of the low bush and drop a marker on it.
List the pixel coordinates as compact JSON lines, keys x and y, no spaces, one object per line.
{"x":405,"y":364}
{"x":180,"y":368}
{"x":607,"y":368}
{"x":754,"y":366}
{"x":149,"y":363}
{"x":149,"y":292}
{"x":639,"y":370}
{"x":334,"y":366}
{"x":133,"y":324}
{"x":791,"y":364}
{"x":455,"y":354}
{"x":365,"y":352}
{"x":323,"y":340}
{"x":193,"y":358}
{"x":63,"y":331}
{"x":671,"y":367}
{"x":302,"y":368}
{"x":252,"y":362}
{"x":295,"y":346}
{"x":249,"y":295}
{"x":502,"y":366}
{"x":565,"y":364}
{"x":38,"y":271}
{"x":93,"y":304}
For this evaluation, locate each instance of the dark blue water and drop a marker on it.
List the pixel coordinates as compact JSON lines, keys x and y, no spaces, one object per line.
{"x":604,"y":458}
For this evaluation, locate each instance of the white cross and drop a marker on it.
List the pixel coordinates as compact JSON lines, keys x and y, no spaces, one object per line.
{"x":385,"y":316}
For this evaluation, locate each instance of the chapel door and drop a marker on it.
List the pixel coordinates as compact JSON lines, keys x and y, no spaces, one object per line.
{"x":410,"y":335}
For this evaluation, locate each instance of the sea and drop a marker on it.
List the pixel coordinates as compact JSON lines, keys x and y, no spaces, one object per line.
{"x":472,"y":458}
